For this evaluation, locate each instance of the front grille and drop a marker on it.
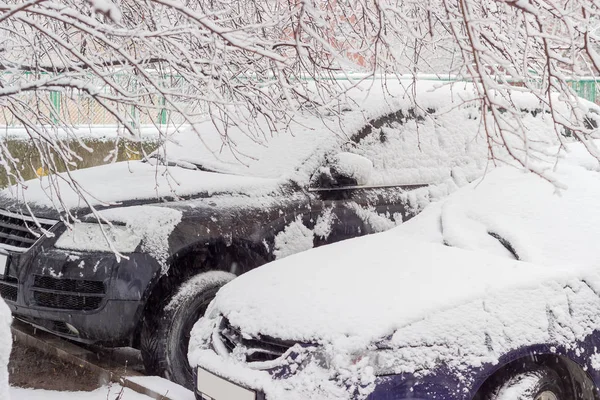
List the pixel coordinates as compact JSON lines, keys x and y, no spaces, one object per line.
{"x":67,"y":301}
{"x":261,"y":349}
{"x":67,"y":294}
{"x":18,"y":232}
{"x":68,"y":285}
{"x":8,"y":291}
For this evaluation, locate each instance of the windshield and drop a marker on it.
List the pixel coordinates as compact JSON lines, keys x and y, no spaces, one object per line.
{"x":272,"y":155}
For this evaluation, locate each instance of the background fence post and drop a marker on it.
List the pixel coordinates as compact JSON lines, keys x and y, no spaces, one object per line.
{"x":162,"y":115}
{"x":55,"y":98}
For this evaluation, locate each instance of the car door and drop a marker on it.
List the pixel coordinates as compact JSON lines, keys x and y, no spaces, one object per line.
{"x":344,"y":213}
{"x":343,"y":208}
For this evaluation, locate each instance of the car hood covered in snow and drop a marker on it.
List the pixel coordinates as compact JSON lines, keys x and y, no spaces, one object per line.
{"x":134,"y":182}
{"x":367,"y":287}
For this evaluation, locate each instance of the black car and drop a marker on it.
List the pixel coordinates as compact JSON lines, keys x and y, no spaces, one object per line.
{"x":177,"y":226}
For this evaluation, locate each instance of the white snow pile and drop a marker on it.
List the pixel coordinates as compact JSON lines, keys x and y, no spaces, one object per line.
{"x":294,"y":238}
{"x":5,"y":347}
{"x":541,"y":224}
{"x":425,"y":303}
{"x":150,"y":223}
{"x":353,"y":165}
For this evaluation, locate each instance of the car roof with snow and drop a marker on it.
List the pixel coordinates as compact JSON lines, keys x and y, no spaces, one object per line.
{"x":411,"y":131}
{"x":369,"y":287}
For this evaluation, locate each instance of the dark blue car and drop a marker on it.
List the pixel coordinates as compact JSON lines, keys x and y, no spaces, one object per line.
{"x":492,"y":293}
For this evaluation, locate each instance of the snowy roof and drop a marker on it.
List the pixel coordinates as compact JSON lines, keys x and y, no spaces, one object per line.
{"x":440,"y":129}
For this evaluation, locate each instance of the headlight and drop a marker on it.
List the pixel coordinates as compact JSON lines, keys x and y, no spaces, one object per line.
{"x":381,"y":360}
{"x":89,"y":237}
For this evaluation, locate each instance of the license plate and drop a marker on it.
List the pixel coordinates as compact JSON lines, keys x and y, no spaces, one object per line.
{"x":3,"y":264}
{"x":212,"y":387}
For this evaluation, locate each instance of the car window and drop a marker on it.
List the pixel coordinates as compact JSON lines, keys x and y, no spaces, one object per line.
{"x":420,"y":146}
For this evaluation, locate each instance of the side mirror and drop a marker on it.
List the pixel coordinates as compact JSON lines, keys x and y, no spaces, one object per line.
{"x":345,"y":169}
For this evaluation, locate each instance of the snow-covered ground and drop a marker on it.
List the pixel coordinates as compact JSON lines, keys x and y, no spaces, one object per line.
{"x":108,"y":392}
{"x":103,"y":393}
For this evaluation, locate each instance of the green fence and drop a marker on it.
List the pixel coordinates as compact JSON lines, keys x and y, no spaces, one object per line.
{"x":75,"y":108}
{"x":588,"y":89}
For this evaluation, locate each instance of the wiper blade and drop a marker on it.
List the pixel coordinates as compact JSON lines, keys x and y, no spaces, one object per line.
{"x":170,"y":163}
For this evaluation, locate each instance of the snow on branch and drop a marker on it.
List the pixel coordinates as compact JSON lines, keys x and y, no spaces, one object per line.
{"x":234,"y":60}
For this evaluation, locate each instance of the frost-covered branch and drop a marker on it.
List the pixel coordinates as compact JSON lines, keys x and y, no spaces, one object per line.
{"x":231,"y":61}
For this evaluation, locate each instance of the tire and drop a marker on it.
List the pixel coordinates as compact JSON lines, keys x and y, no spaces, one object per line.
{"x":165,"y":333}
{"x":539,"y":383}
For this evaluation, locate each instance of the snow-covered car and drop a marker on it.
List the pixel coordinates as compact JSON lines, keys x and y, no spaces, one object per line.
{"x":491,"y":293}
{"x":197,"y":213}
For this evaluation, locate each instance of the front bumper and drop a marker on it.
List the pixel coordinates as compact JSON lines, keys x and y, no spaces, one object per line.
{"x":316,"y":384}
{"x":316,"y":372}
{"x":86,"y":297}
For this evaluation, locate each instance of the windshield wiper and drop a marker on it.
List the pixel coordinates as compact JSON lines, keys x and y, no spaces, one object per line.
{"x":195,"y":166}
{"x":152,"y":158}
{"x":505,"y":243}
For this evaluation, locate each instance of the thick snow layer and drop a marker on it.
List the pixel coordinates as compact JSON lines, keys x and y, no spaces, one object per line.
{"x":322,"y":286}
{"x":422,"y":302}
{"x":354,"y":166}
{"x":134,"y":180}
{"x":150,"y":223}
{"x":408,"y":152}
{"x":5,"y":347}
{"x":85,"y":236}
{"x":540,"y":224}
{"x":536,"y":221}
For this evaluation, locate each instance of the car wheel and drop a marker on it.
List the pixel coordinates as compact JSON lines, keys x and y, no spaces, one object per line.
{"x":165,"y":334}
{"x":536,"y":384}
